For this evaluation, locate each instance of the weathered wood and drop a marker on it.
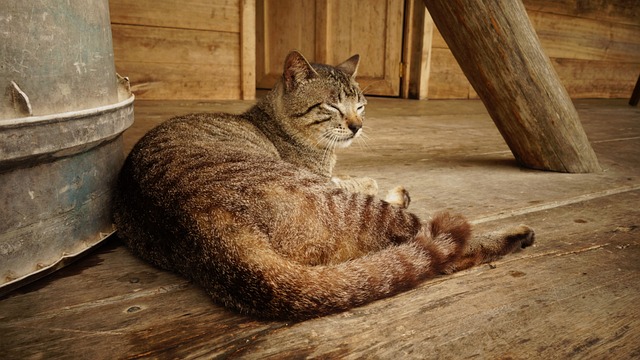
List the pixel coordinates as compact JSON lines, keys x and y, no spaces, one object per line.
{"x":590,"y":79}
{"x":186,"y":50}
{"x":165,"y":63}
{"x":248,"y":49}
{"x":446,"y":79}
{"x":330,"y":32}
{"x":114,"y":305}
{"x":214,"y":15}
{"x":613,"y":11}
{"x":564,"y":36}
{"x":280,"y":27}
{"x":635,"y":95}
{"x":593,"y":79}
{"x":573,"y":294}
{"x":593,"y":46}
{"x":499,"y":53}
{"x":564,"y":282}
{"x":416,"y":59}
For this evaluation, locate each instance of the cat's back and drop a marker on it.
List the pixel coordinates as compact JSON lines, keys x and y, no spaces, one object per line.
{"x":188,"y":156}
{"x":201,"y":133}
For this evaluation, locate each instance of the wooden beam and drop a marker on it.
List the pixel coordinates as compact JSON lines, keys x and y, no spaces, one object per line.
{"x":635,"y":95}
{"x":248,"y":49}
{"x":418,"y":31}
{"x":499,"y":52}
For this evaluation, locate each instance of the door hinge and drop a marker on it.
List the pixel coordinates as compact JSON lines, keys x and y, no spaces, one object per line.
{"x":401,"y":70}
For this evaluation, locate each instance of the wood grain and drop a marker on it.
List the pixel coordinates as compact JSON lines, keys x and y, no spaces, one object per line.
{"x":282,"y":26}
{"x":216,"y":15}
{"x":186,"y":50}
{"x":572,"y":295}
{"x":248,"y":49}
{"x":593,"y":45}
{"x":446,"y":80}
{"x":527,"y":305}
{"x":416,"y":59}
{"x":565,"y":36}
{"x":596,"y":79}
{"x":581,"y":78}
{"x":614,"y":11}
{"x":331,"y":32}
{"x":504,"y":62}
{"x":580,"y":35}
{"x":165,"y":63}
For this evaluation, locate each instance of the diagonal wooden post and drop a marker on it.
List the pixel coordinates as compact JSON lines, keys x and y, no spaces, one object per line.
{"x":499,"y":52}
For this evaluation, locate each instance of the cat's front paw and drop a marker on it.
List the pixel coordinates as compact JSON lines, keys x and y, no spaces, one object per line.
{"x":367,"y":185}
{"x":398,"y":196}
{"x":363,"y":185}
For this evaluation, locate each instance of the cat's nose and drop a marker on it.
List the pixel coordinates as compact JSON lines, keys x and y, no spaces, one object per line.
{"x":355,"y":128}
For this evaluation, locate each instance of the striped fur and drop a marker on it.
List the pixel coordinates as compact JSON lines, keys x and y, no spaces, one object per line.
{"x":244,"y":205}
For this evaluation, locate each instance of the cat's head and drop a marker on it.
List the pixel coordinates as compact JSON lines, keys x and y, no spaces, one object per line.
{"x":319,"y":104}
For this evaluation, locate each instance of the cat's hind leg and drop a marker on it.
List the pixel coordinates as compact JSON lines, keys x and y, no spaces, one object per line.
{"x":486,"y":247}
{"x":449,"y":237}
{"x":493,"y":245}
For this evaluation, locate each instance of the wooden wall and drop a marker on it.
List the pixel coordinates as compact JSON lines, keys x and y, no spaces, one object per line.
{"x":188,"y":49}
{"x":594,"y":46}
{"x":206,"y":50}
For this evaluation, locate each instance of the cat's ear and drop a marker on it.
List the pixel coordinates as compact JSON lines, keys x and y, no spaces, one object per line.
{"x":296,"y":70}
{"x":350,"y":67}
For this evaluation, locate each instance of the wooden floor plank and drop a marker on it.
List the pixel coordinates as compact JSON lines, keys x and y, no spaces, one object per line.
{"x":574,"y":294}
{"x":537,"y":292}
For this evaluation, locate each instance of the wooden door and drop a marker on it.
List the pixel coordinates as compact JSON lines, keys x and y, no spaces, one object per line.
{"x":330,"y":31}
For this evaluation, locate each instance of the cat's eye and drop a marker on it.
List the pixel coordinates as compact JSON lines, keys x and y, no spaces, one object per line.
{"x":360,"y":109}
{"x":322,"y":120}
{"x":334,"y":108}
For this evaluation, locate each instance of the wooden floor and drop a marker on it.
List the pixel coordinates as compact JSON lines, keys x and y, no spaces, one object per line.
{"x":575,"y":294}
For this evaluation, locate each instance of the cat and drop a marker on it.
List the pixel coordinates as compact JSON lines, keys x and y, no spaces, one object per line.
{"x":246,"y":206}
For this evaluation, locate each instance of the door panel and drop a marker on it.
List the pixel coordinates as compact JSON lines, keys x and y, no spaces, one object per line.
{"x":330,"y":31}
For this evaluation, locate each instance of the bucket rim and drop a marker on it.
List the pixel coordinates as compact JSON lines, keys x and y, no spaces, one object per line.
{"x":64,"y":116}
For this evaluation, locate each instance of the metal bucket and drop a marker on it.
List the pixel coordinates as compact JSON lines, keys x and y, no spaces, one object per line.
{"x":62,"y":113}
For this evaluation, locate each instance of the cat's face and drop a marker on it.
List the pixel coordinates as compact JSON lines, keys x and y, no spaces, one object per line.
{"x":324,"y":106}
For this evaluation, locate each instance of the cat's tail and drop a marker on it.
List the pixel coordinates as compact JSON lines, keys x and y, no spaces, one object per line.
{"x":276,"y":287}
{"x":271,"y":286}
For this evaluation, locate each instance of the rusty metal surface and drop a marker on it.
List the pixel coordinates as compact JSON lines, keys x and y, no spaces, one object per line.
{"x":56,"y":202}
{"x":62,"y":112}
{"x":58,"y":53}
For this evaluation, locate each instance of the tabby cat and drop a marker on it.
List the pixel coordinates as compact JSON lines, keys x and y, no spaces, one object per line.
{"x":246,"y":206}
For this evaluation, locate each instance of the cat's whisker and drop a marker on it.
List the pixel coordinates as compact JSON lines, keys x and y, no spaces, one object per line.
{"x":329,"y":140}
{"x":362,"y":142}
{"x":363,"y":138}
{"x":372,"y":84}
{"x":365,"y":132}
